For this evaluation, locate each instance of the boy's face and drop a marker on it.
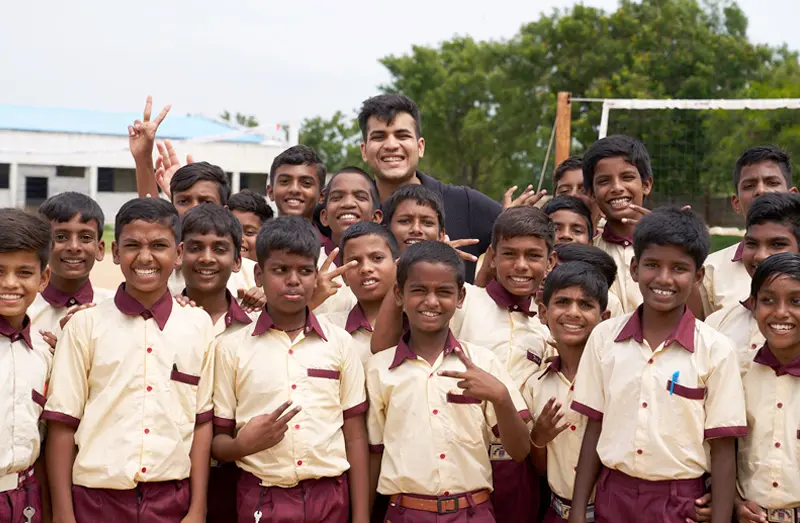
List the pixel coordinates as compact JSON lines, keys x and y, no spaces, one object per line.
{"x":75,"y":248}
{"x":21,"y":278}
{"x":413,"y":222}
{"x":571,"y":316}
{"x":777,"y":312}
{"x":288,"y":281}
{"x":392,"y":149}
{"x":295,"y":190}
{"x":147,"y":254}
{"x":521,"y":264}
{"x":570,"y":184}
{"x":430,"y":296}
{"x":204,"y":191}
{"x":617,"y":185}
{"x":764,"y":240}
{"x":251,"y":224}
{"x":349,"y":202}
{"x":570,"y":227}
{"x":755,"y":180}
{"x":207,"y":261}
{"x":666,"y":275}
{"x":374,"y":275}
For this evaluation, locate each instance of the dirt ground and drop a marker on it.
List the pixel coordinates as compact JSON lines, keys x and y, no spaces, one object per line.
{"x":106,"y":274}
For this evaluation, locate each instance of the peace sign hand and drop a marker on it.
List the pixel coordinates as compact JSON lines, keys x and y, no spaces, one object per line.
{"x":546,"y":427}
{"x":528,"y":197}
{"x":142,"y":133}
{"x":456,"y":244}
{"x":167,"y":164}
{"x":265,"y":431}
{"x":326,"y":286}
{"x":476,"y":382}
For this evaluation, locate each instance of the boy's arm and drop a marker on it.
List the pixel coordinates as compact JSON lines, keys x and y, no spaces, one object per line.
{"x":388,"y":325}
{"x":723,"y":478}
{"x":200,"y":455}
{"x":60,"y":456}
{"x":374,"y":473}
{"x":141,"y":137}
{"x":40,"y":469}
{"x":376,"y":422}
{"x":588,"y":469}
{"x":355,"y":442}
{"x":511,"y":428}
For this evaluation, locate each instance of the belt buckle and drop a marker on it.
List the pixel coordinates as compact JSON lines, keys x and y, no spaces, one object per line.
{"x":561,"y":508}
{"x":781,"y":515}
{"x":445,"y":510}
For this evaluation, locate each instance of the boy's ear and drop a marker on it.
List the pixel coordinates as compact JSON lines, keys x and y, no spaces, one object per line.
{"x":647,"y":186}
{"x":793,"y":190}
{"x":323,"y":217}
{"x":377,"y":216}
{"x":115,"y":252}
{"x":421,"y":146}
{"x":270,"y":193}
{"x":237,"y":262}
{"x":398,"y":295}
{"x":462,"y":293}
{"x":179,"y":257}
{"x":736,"y":204}
{"x":45,"y":279}
{"x":635,"y":269}
{"x":606,"y":314}
{"x":101,"y":251}
{"x":442,"y":235}
{"x":699,"y":275}
{"x":364,"y":152}
{"x":551,"y":262}
{"x":543,"y":314}
{"x":258,"y":275}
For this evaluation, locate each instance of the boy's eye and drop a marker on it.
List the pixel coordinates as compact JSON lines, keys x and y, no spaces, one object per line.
{"x":60,"y":237}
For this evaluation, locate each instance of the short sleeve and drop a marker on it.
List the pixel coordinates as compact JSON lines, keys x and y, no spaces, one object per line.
{"x":225,"y":382}
{"x":205,"y":389}
{"x":460,"y":316}
{"x":714,"y":320}
{"x":707,"y":291}
{"x":589,"y":395}
{"x":376,"y":415}
{"x":528,"y":396}
{"x":69,"y":382}
{"x":495,"y":368}
{"x":351,"y":389}
{"x":724,"y":404}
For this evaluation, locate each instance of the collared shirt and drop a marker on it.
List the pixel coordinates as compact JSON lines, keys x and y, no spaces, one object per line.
{"x":342,"y":302}
{"x":655,"y":429}
{"x":495,"y":319}
{"x":563,"y":451}
{"x":234,"y":319}
{"x":51,"y":305}
{"x":738,"y":323}
{"x":244,"y":279}
{"x":25,"y":370}
{"x":259,"y":368}
{"x":134,"y":380}
{"x":357,"y":326}
{"x":726,"y":280}
{"x":769,"y":456}
{"x":621,"y":250}
{"x":433,"y":438}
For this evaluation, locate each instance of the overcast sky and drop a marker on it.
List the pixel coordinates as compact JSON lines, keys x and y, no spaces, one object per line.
{"x":281,"y":61}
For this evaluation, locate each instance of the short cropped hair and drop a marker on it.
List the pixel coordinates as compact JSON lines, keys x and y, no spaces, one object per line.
{"x":299,"y":155}
{"x":524,"y":220}
{"x":150,"y":210}
{"x":573,"y":163}
{"x":385,"y":107}
{"x":249,"y":201}
{"x":630,"y":149}
{"x":594,"y":256}
{"x":776,"y":207}
{"x":682,"y":228}
{"x":416,"y":192}
{"x":64,"y":206}
{"x":293,"y":234}
{"x":191,"y":173}
{"x":431,"y":252}
{"x":572,"y":204}
{"x":373,"y":191}
{"x":781,"y":264}
{"x":24,"y":231}
{"x":577,"y":274}
{"x":761,"y":154}
{"x":357,"y":230}
{"x":210,"y":218}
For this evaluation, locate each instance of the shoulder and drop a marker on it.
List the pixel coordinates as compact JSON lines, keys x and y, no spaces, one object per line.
{"x":378,"y":363}
{"x":338,"y":318}
{"x":101,"y":294}
{"x":193,"y":315}
{"x":38,"y":306}
{"x":335,"y":335}
{"x":714,"y":343}
{"x":717,"y":320}
{"x":480,"y":356}
{"x":722,"y":256}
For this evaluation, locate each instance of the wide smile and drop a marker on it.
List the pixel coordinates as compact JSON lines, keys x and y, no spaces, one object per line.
{"x":146,"y":273}
{"x":348,"y":217}
{"x":572,"y":327}
{"x":664,"y":293}
{"x":294,"y":202}
{"x":370,"y":283}
{"x":430,"y":314}
{"x":73,"y":263}
{"x":412,"y":241}
{"x":393,"y":160}
{"x":206,"y":272}
{"x":781,"y":328}
{"x":620,"y":203}
{"x":10,"y":298}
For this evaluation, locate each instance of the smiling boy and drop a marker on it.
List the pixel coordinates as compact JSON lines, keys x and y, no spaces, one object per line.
{"x":252,"y":210}
{"x":571,"y":218}
{"x":350,"y":197}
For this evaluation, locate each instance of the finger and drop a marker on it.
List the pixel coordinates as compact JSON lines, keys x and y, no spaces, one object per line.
{"x":466,"y":256}
{"x":629,"y":221}
{"x":463,"y":242}
{"x":173,"y":156}
{"x":463,"y":384}
{"x":277,"y":412}
{"x":148,"y":108}
{"x":640,"y":210}
{"x":138,"y":126}
{"x":189,"y":159}
{"x":464,"y":358}
{"x":163,"y":114}
{"x":131,"y":132}
{"x":163,"y":155}
{"x":508,"y":195}
{"x":338,"y":271}
{"x":326,"y":265}
{"x":547,"y":407}
{"x":705,"y":500}
{"x":686,"y":208}
{"x":286,"y":418}
{"x":452,"y":374}
{"x":534,"y":198}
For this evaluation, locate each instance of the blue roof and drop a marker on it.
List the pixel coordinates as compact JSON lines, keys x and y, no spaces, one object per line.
{"x":80,"y":121}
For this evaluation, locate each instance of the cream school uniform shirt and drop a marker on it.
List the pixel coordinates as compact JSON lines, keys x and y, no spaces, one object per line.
{"x":134,"y":380}
{"x":357,"y":326}
{"x":259,"y":368}
{"x":234,"y":319}
{"x":244,"y":279}
{"x":51,"y":305}
{"x":621,"y":250}
{"x":726,"y":280}
{"x":737,"y":323}
{"x":654,"y":429}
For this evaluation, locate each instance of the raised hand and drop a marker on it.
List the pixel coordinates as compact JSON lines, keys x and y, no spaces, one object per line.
{"x":71,"y":312}
{"x":547,"y":427}
{"x":476,"y":382}
{"x":643,"y":211}
{"x":528,"y":197}
{"x":185,"y":301}
{"x":486,"y":273}
{"x":252,"y":299}
{"x":166,"y":165}
{"x":142,"y":133}
{"x":456,"y":244}
{"x":265,"y":431}
{"x":325,"y":286}
{"x":50,"y":339}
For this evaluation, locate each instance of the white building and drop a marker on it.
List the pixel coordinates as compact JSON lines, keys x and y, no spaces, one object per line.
{"x":45,"y":151}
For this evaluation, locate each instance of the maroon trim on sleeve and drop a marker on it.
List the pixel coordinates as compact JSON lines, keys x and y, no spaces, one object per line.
{"x":58,"y":417}
{"x":376,"y":449}
{"x":524,"y":414}
{"x":725,"y":432}
{"x":224,"y":422}
{"x":361,"y":408}
{"x":460,"y":398}
{"x":176,"y":375}
{"x":589,"y":412}
{"x":324,"y":373}
{"x":204,"y":417}
{"x":38,"y":398}
{"x":687,"y":392}
{"x":532,"y":356}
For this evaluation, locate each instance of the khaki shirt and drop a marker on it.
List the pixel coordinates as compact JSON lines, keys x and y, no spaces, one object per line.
{"x":357,"y":326}
{"x":51,"y":305}
{"x":621,"y":250}
{"x":737,"y":323}
{"x":726,"y":281}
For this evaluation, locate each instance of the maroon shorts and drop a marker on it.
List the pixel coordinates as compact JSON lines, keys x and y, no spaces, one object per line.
{"x":222,"y":493}
{"x":551,"y":517}
{"x":516,"y":491}
{"x":163,"y":502}
{"x":13,"y":502}
{"x":324,"y":500}
{"x":624,"y":499}
{"x":483,"y":513}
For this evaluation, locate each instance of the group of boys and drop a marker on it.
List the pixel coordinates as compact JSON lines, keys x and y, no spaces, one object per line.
{"x":356,"y":376}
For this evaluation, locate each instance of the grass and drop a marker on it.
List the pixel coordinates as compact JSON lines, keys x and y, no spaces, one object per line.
{"x":108,"y":236}
{"x":720,"y":242}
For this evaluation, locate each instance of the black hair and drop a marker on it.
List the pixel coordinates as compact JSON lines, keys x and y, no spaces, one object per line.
{"x":573,"y":163}
{"x":781,"y":264}
{"x":299,"y":155}
{"x":776,"y":207}
{"x":249,"y":201}
{"x":572,"y":204}
{"x":594,"y":256}
{"x":360,"y":229}
{"x":432,"y":252}
{"x":524,"y":220}
{"x":577,"y":274}
{"x":673,"y":226}
{"x":150,"y":210}
{"x":385,"y":107}
{"x":188,"y":175}
{"x":208,"y":218}
{"x":373,"y":191}
{"x":416,"y":192}
{"x":293,"y":234}
{"x":24,"y":231}
{"x":64,"y":206}
{"x":760,"y":154}
{"x":630,"y":149}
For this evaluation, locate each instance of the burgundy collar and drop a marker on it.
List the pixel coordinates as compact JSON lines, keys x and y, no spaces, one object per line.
{"x":683,"y":333}
{"x":14,"y":335}
{"x":506,"y":300}
{"x":357,"y":320}
{"x":265,"y":323}
{"x":57,"y":298}
{"x":610,"y":237}
{"x":737,"y":256}
{"x":554,"y":366}
{"x":235,"y":312}
{"x":403,"y":352}
{"x":748,"y":303}
{"x":160,"y":311}
{"x":765,"y":356}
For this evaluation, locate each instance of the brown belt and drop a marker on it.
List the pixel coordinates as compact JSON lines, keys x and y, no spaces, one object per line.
{"x":443,"y":505}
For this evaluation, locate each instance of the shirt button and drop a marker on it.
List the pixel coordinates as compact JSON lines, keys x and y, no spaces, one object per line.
{"x":442,"y":456}
{"x":297,"y":427}
{"x":291,"y":351}
{"x":780,"y":405}
{"x":775,"y":484}
{"x":753,"y":346}
{"x":147,"y":431}
{"x":294,"y":386}
{"x":446,"y":493}
{"x":573,"y":427}
{"x":644,"y":405}
{"x":144,"y":469}
{"x":149,"y":350}
{"x":299,"y":462}
{"x":650,"y":361}
{"x":574,"y":469}
{"x":149,"y":388}
{"x":435,"y":412}
{"x":639,"y":451}
{"x":777,"y":444}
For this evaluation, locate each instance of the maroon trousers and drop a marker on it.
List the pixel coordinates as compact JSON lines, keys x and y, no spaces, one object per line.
{"x":164,"y":502}
{"x":624,"y":499}
{"x":483,"y":513}
{"x":551,"y":517}
{"x":516,"y":491}
{"x":13,"y":502}
{"x":324,"y":500}
{"x":222,"y":481}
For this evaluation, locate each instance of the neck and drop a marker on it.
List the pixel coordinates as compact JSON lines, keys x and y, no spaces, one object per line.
{"x":428,"y":345}
{"x":785,"y":356}
{"x":336,"y":238}
{"x":67,"y":285}
{"x":657,"y":325}
{"x":16,"y":322}
{"x":570,"y":358}
{"x":290,"y":322}
{"x":370,"y":310}
{"x":623,"y":230}
{"x":387,"y":187}
{"x":147,"y":299}
{"x":215,"y":303}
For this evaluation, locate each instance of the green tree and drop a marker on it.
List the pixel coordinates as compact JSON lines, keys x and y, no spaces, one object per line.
{"x":336,"y":140}
{"x":239,"y":118}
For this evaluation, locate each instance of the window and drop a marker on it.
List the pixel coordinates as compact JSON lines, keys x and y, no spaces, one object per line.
{"x":5,"y":175}
{"x":105,"y":179}
{"x":256,"y":182}
{"x":116,"y":180}
{"x":66,"y":171}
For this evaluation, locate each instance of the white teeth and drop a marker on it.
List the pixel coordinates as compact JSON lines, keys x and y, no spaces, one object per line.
{"x":571,"y":327}
{"x":10,"y":296}
{"x":781,"y":326}
{"x":206,"y":272}
{"x":412,"y":242}
{"x":519,"y":279}
{"x":348,"y":216}
{"x":145,"y":272}
{"x":619,"y":203}
{"x":662,"y":292}
{"x":72,"y":261}
{"x":392,"y":158}
{"x":429,"y":314}
{"x":293,"y":201}
{"x":367,"y":283}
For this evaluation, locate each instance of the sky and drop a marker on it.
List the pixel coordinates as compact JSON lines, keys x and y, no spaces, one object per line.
{"x":280,"y":61}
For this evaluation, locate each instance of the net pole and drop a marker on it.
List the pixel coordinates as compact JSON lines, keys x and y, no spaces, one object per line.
{"x":604,"y":121}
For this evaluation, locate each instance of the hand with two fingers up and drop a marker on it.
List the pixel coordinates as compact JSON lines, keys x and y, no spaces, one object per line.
{"x":326,"y":286}
{"x":476,"y":382}
{"x":265,"y":431}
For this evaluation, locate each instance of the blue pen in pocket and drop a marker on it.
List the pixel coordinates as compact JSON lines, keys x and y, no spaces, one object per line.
{"x":674,"y":381}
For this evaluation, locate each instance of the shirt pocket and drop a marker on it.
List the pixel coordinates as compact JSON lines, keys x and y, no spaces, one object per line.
{"x":682,"y":419}
{"x":466,"y":419}
{"x":183,"y":388}
{"x":324,"y":385}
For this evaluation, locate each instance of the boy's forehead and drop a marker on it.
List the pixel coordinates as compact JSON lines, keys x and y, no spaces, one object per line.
{"x":401,"y":120}
{"x":613,"y":165}
{"x":412,"y":206}
{"x":144,"y":227}
{"x":366,"y":243}
{"x":19,"y":258}
{"x":207,"y":237}
{"x":571,"y":177}
{"x":667,"y":252}
{"x":76,"y":222}
{"x":285,"y":257}
{"x":432,"y":272}
{"x":522,"y":242}
{"x":296,"y":171}
{"x":349,"y":181}
{"x":761,"y":170}
{"x":573,"y":291}
{"x":204,"y":187}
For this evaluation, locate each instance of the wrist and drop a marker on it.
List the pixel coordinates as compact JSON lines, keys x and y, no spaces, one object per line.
{"x":501,"y":398}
